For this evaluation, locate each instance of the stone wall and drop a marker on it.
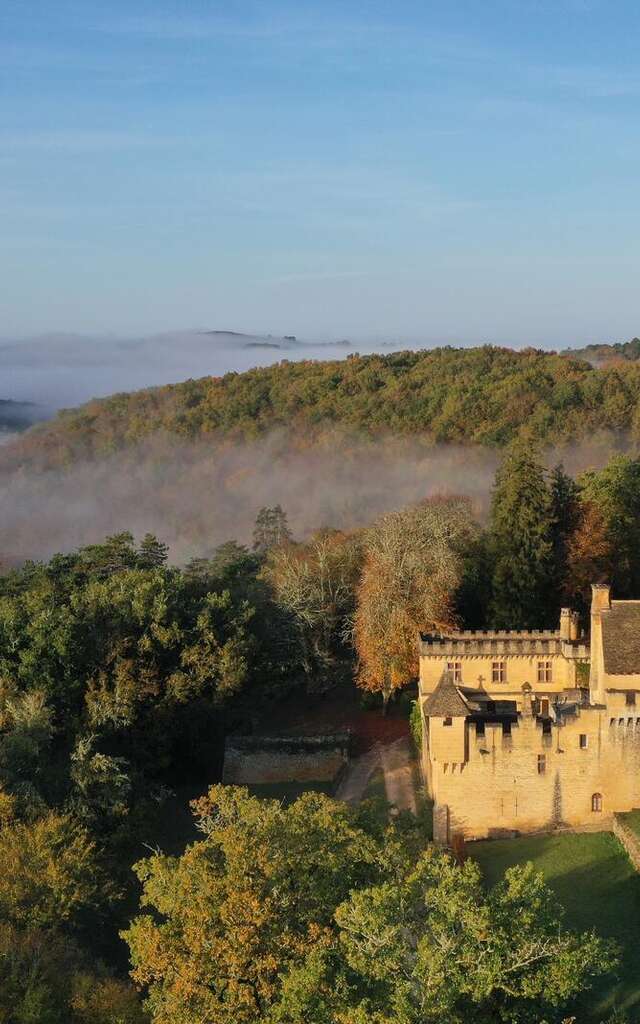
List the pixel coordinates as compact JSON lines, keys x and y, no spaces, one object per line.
{"x":255,"y":760}
{"x":629,"y":839}
{"x":499,"y":784}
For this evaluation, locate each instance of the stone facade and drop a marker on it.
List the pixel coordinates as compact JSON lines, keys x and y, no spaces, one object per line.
{"x":518,"y":739}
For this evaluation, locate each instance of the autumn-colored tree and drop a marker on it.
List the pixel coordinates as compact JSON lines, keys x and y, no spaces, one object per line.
{"x":48,"y":872}
{"x":413,"y":566}
{"x":615,"y":491}
{"x":316,"y":914}
{"x":590,"y":556}
{"x":315,"y":583}
{"x":252,"y":898}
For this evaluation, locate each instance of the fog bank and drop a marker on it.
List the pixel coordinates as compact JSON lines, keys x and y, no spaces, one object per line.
{"x":195,"y":496}
{"x":60,"y":370}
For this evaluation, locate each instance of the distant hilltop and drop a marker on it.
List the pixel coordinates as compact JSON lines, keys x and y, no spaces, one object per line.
{"x":599,"y":355}
{"x":16,"y":416}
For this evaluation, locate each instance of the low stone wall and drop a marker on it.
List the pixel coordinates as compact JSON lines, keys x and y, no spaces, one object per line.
{"x":252,"y":760}
{"x":629,"y":839}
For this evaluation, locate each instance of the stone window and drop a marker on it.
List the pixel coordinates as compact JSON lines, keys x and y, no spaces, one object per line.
{"x":596,"y":803}
{"x":542,"y":764}
{"x":455,"y":667}
{"x":544,"y":672}
{"x":479,"y":728}
{"x":584,"y":741}
{"x":498,"y":672}
{"x":506,"y":728}
{"x":631,"y":698}
{"x":447,"y":721}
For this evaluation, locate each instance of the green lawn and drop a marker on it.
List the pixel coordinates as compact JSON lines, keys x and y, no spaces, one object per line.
{"x":598,"y":888}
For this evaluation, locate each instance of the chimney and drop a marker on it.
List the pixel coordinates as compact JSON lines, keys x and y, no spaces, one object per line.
{"x":600,"y":602}
{"x":565,"y":623}
{"x":600,"y":597}
{"x":569,"y":624}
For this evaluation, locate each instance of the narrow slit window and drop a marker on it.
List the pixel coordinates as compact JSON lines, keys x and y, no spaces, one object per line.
{"x":596,"y":803}
{"x":584,"y":741}
{"x":542,"y":764}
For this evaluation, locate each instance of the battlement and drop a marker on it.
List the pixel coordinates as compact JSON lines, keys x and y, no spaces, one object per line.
{"x":489,"y":634}
{"x":472,"y":643}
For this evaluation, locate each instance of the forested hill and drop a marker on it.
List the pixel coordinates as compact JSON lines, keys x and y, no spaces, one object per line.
{"x":599,"y":355}
{"x":483,"y":395}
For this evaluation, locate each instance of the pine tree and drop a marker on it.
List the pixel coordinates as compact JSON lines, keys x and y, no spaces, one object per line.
{"x":153,"y":553}
{"x":566,"y":513}
{"x":521,"y":536}
{"x":271,"y":529}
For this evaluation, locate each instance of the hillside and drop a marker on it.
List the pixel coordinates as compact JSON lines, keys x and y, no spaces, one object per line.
{"x":599,"y":355}
{"x":18,"y":415}
{"x":483,"y":396}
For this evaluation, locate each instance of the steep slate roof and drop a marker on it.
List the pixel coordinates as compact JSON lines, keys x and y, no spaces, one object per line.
{"x":446,"y":700}
{"x":621,"y":638}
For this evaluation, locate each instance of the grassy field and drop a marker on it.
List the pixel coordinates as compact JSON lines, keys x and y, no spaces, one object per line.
{"x":598,"y":888}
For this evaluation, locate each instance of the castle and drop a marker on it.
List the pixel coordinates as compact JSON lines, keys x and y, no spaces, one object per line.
{"x":536,"y":730}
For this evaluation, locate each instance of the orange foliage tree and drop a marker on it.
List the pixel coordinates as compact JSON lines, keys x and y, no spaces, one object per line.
{"x":414,"y":562}
{"x":589,"y":555}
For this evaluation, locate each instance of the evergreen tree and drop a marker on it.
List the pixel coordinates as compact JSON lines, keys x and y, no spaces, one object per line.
{"x":521,"y":536}
{"x":566,"y":514}
{"x":153,"y":553}
{"x":271,"y":529}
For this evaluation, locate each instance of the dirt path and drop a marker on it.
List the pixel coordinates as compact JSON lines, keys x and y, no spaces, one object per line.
{"x":399,"y":776}
{"x":357,"y":776}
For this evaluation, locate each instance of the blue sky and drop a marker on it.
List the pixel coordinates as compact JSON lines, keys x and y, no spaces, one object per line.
{"x":430,"y":171}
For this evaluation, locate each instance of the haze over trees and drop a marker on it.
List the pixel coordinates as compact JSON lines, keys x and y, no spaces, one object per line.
{"x":485,"y":396}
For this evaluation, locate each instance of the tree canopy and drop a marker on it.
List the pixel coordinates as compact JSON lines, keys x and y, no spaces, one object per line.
{"x":314,"y":913}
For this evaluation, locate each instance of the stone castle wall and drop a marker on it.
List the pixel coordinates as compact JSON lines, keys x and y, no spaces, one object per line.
{"x":254,"y":760}
{"x":497,"y":787}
